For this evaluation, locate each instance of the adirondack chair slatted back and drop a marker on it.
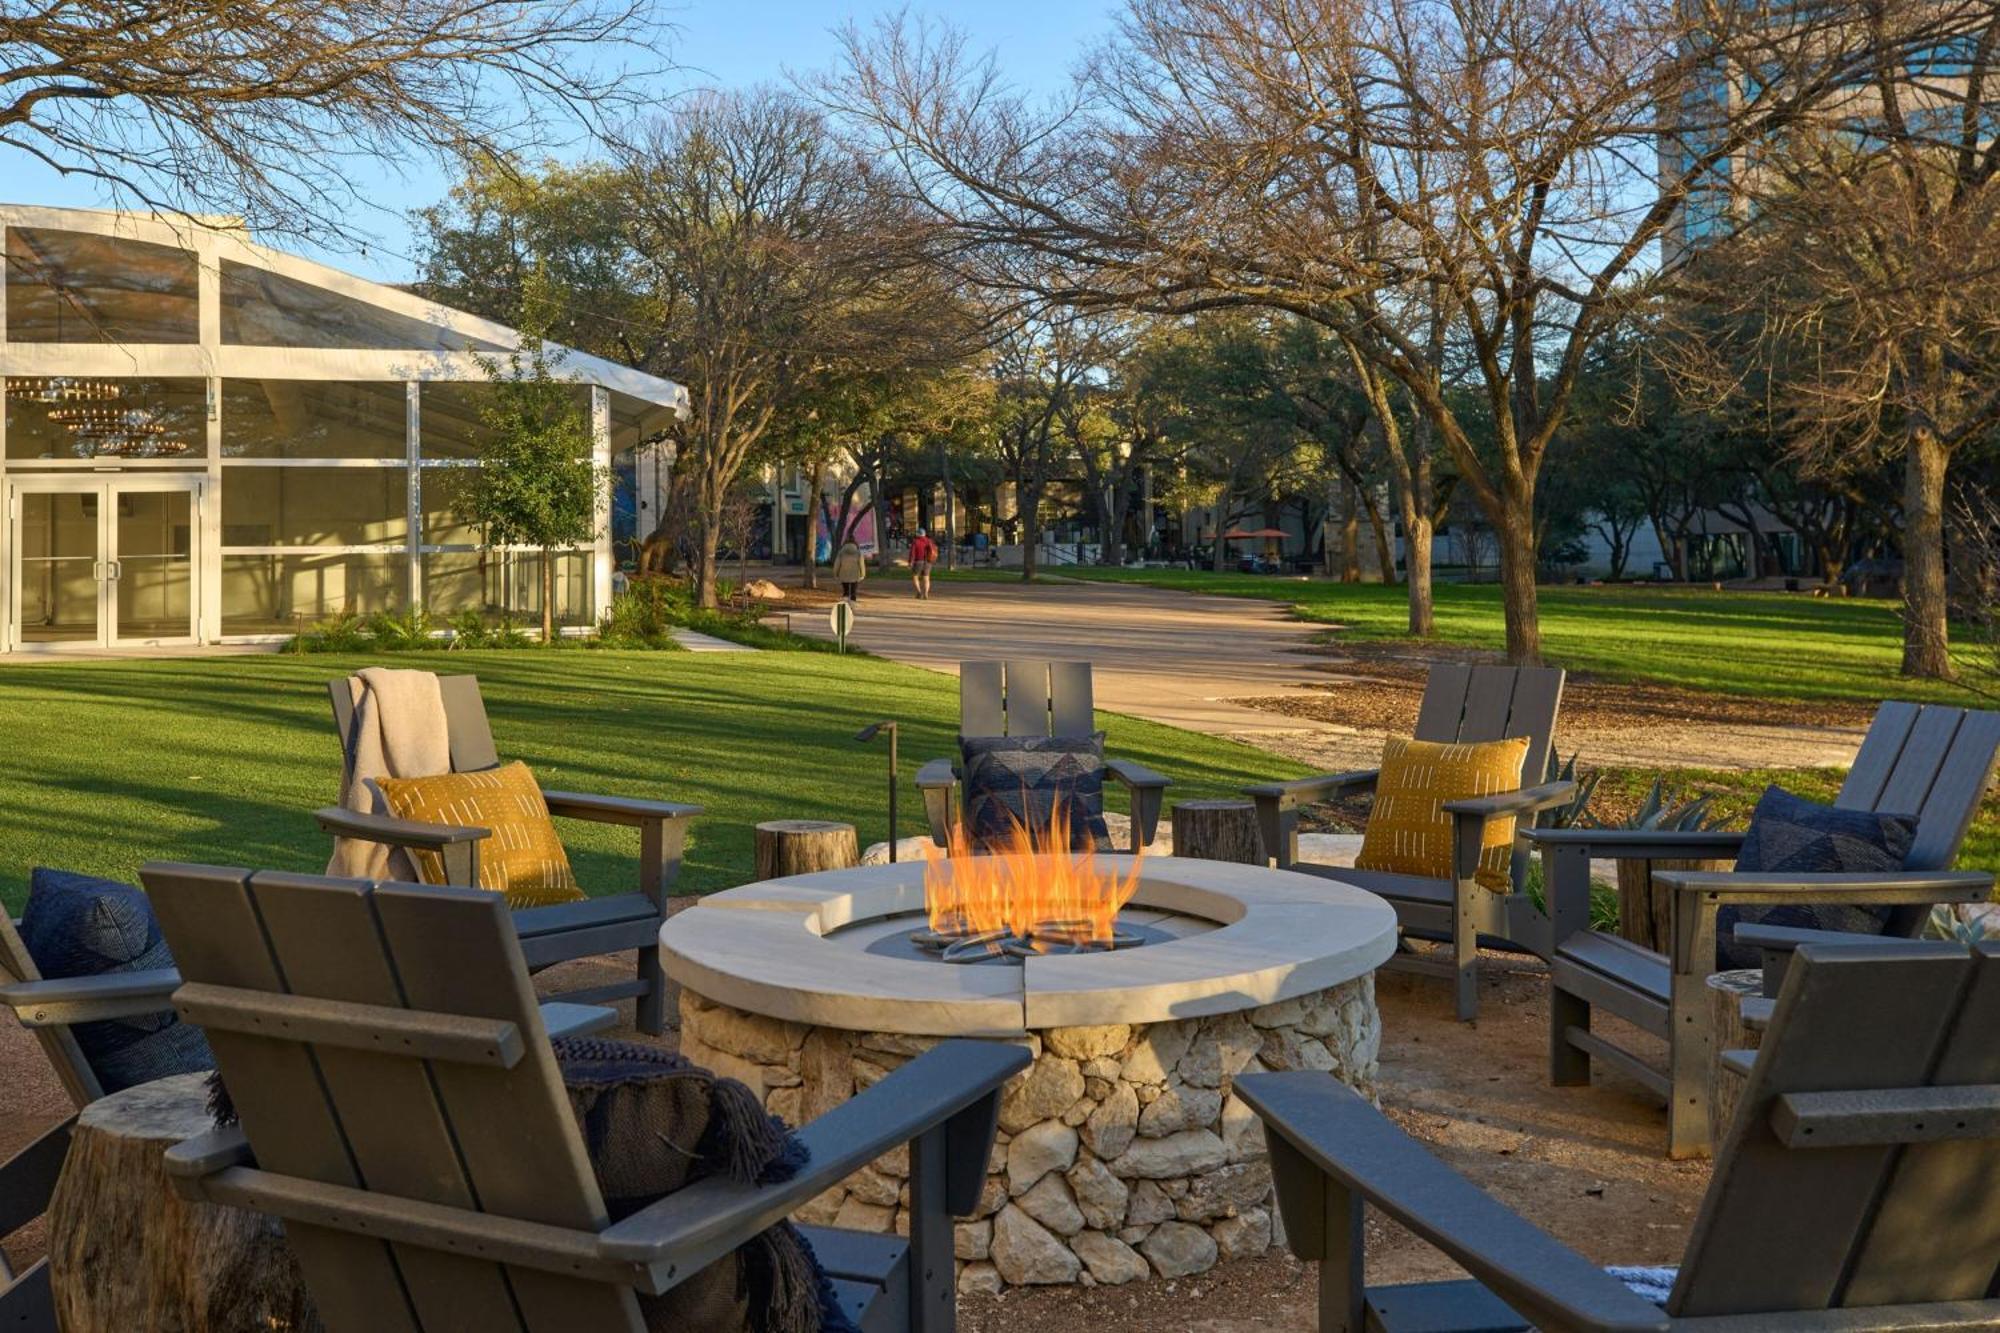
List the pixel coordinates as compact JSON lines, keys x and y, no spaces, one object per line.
{"x":1025,"y":697}
{"x":502,"y":1141}
{"x":1905,"y":1219}
{"x":471,"y":735}
{"x":1928,"y":760}
{"x":1492,"y":703}
{"x":79,"y":1080}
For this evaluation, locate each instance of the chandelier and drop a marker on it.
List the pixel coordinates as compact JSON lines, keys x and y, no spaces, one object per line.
{"x":61,"y":389}
{"x":119,"y":432}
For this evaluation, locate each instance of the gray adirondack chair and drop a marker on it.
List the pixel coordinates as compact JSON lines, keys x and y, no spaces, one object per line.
{"x":1930,"y":760}
{"x":1460,"y":704}
{"x":1033,"y":697}
{"x":549,"y":935}
{"x":403,"y":1113}
{"x":48,"y":1008}
{"x":1853,"y":1191}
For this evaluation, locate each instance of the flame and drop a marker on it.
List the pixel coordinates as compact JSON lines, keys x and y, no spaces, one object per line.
{"x":1030,"y":885}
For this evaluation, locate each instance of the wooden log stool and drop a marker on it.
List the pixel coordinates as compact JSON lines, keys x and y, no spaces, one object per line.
{"x":1727,"y":1032}
{"x":127,"y":1253}
{"x":1218,"y":831}
{"x":1646,"y":908}
{"x":802,"y":846}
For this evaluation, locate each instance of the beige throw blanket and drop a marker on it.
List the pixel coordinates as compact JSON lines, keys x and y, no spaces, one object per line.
{"x":399,"y":731}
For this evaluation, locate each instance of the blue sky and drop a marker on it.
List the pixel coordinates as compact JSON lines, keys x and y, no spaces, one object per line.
{"x":720,"y":42}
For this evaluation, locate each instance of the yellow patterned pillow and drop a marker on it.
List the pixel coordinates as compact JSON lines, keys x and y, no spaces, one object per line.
{"x":1408,"y":831}
{"x":523,"y":858}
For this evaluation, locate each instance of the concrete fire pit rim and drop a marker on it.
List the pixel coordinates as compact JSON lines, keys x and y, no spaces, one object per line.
{"x":1281,"y":935}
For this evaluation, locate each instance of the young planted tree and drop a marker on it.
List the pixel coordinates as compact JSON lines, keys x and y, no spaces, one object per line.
{"x":535,"y":484}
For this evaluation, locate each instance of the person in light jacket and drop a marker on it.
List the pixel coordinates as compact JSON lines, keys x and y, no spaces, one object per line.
{"x":850,"y":567}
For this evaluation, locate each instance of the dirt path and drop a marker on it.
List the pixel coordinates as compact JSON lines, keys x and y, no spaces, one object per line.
{"x":1242,"y":668}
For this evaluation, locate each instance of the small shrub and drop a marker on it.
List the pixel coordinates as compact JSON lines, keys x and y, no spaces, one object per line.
{"x":644,"y":615}
{"x":344,"y":633}
{"x":469,"y":630}
{"x":404,"y":631}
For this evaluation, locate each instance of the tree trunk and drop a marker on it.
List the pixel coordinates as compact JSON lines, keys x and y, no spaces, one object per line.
{"x":1028,"y":509}
{"x":1219,"y":558}
{"x":1350,"y":535}
{"x":548,"y":595}
{"x":1418,"y":536}
{"x":707,"y":539}
{"x":1385,"y":554}
{"x":1114,"y":533}
{"x":811,"y":560}
{"x":1926,"y":639}
{"x":950,"y":507}
{"x":127,"y":1253}
{"x":1514,"y":533}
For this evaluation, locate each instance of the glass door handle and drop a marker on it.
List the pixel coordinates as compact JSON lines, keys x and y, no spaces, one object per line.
{"x":117,"y":570}
{"x":97,"y":571}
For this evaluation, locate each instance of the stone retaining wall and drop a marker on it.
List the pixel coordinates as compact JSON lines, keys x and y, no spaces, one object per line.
{"x":1122,"y":1152}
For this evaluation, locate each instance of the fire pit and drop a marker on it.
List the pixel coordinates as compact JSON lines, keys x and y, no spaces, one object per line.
{"x":1143,"y":988}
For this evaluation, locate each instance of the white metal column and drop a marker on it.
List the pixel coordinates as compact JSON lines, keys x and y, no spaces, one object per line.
{"x":207,"y":537}
{"x":600,"y":461}
{"x":413,"y":437}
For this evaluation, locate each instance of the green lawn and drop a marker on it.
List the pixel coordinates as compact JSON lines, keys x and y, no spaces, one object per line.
{"x":222,"y":759}
{"x":1769,"y":645}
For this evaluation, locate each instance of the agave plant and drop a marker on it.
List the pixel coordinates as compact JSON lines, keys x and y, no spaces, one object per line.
{"x":1571,"y":813}
{"x":1661,"y":814}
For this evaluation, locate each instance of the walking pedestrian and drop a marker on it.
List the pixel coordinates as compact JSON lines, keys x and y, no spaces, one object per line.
{"x":850,"y":567}
{"x":923,"y":554}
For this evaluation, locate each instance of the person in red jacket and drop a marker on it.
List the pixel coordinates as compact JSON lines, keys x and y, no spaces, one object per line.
{"x":923,"y":554}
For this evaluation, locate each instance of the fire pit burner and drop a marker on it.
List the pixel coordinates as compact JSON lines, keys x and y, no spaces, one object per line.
{"x":1055,"y":937}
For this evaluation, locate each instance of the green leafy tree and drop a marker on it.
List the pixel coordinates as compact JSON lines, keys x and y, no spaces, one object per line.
{"x":536,"y":484}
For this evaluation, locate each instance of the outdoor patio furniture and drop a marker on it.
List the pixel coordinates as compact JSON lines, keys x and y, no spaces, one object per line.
{"x":557,"y":934}
{"x":402,"y":1111}
{"x":1461,"y":704}
{"x":1033,"y":697}
{"x":1930,"y":760}
{"x":1853,"y":1191}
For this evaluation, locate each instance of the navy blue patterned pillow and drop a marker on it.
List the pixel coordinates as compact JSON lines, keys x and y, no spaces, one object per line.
{"x":1016,"y":781}
{"x":1791,"y":835}
{"x":81,"y":926}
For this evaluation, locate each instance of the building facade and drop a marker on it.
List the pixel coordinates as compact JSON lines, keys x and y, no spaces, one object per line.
{"x":208,"y":441}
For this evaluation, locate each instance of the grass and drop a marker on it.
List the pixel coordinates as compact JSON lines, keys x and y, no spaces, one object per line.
{"x":1735,"y":792}
{"x":1762,"y":645}
{"x":223,"y":759}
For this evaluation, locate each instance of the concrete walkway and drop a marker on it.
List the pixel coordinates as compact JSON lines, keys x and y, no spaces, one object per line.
{"x":1186,"y":660}
{"x":1158,"y":654}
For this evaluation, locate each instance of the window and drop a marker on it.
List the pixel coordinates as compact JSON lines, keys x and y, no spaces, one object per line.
{"x":310,"y":506}
{"x":265,"y":309}
{"x":506,"y":582}
{"x":77,"y":287}
{"x":65,"y":418}
{"x":314,"y":419}
{"x":283,"y":594}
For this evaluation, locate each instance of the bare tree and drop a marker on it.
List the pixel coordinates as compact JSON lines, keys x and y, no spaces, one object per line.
{"x":1366,"y":163}
{"x":262,"y":109}
{"x":1858,"y":309}
{"x":776,"y":263}
{"x":1040,"y":366}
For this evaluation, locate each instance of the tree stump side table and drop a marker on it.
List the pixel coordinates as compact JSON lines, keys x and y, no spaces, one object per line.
{"x":1218,"y":831}
{"x":1726,"y":993}
{"x":803,"y":846}
{"x":127,"y":1253}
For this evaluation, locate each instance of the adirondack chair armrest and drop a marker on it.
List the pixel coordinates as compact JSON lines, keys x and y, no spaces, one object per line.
{"x":937,"y":773}
{"x":218,"y":1149}
{"x":58,"y":1001}
{"x":1526,"y":801}
{"x":616,"y":809}
{"x":1305,"y":791}
{"x":1323,"y":1136}
{"x":395,"y":832}
{"x":955,"y":1087}
{"x":1639,"y":844}
{"x":1777,"y":944}
{"x":1895,"y":887}
{"x":1147,"y":791}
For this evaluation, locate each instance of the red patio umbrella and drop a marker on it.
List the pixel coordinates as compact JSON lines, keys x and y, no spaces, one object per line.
{"x":1260,"y":534}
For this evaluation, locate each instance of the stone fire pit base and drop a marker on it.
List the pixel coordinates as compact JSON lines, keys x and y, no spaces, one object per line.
{"x":1122,"y":1153}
